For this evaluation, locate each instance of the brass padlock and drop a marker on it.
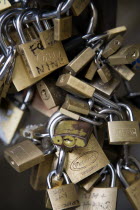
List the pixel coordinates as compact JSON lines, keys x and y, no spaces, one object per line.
{"x":132,"y":190}
{"x":30,"y":49}
{"x":75,"y":86}
{"x":11,"y":116}
{"x":124,"y":132}
{"x":125,"y":55}
{"x":83,"y":162}
{"x":78,"y":6}
{"x":72,"y":133}
{"x":111,"y":33}
{"x":23,"y":155}
{"x":62,"y":25}
{"x":5,"y":4}
{"x":112,"y":46}
{"x":106,"y":88}
{"x":50,"y":94}
{"x":124,"y":71}
{"x":80,"y":60}
{"x":99,"y":198}
{"x":64,"y":196}
{"x":40,"y":172}
{"x":91,"y":71}
{"x":90,"y":181}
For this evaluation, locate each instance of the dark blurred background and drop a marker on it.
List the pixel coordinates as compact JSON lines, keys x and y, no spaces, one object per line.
{"x":15,"y":191}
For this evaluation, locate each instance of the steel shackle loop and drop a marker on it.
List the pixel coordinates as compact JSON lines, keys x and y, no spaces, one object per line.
{"x":112,"y":111}
{"x":60,"y":163}
{"x":131,"y":116}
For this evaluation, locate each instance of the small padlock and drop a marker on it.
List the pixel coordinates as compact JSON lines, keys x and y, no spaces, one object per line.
{"x":75,"y":86}
{"x":64,"y":196}
{"x":11,"y":116}
{"x":23,"y":155}
{"x":40,"y":172}
{"x":91,"y":71}
{"x":62,"y":25}
{"x":124,"y":132}
{"x":72,"y":134}
{"x":100,"y":198}
{"x":124,"y":71}
{"x":112,"y":46}
{"x":78,"y":6}
{"x":90,"y":181}
{"x":125,"y":55}
{"x":83,"y":162}
{"x":132,"y":191}
{"x":50,"y":94}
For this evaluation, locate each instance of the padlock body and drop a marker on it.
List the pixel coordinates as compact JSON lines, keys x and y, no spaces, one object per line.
{"x":91,"y":71}
{"x":75,"y":86}
{"x":47,"y":38}
{"x":133,"y":193}
{"x":72,"y":133}
{"x":23,"y":155}
{"x":63,"y":197}
{"x":124,"y":71}
{"x":40,"y":172}
{"x":104,"y":74}
{"x":124,"y":132}
{"x":89,"y":182}
{"x":98,"y":198}
{"x":62,"y":28}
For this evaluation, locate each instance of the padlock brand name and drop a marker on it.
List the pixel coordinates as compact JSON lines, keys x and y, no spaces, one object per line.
{"x":126,"y":132}
{"x":81,"y":161}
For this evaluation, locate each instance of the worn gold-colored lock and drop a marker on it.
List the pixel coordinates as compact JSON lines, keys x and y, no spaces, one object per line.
{"x":112,"y":46}
{"x":23,"y":155}
{"x":124,"y":132}
{"x":78,"y":6}
{"x":64,"y":196}
{"x":112,"y":33}
{"x":100,"y":197}
{"x":91,"y":71}
{"x":50,"y":94}
{"x":104,"y":73}
{"x":106,"y":88}
{"x":5,"y":4}
{"x":125,"y":55}
{"x":75,"y":86}
{"x":72,"y":133}
{"x":83,"y":162}
{"x":40,"y":172}
{"x":62,"y":25}
{"x":90,"y":181}
{"x":80,"y":60}
{"x":124,"y":71}
{"x":132,"y":190}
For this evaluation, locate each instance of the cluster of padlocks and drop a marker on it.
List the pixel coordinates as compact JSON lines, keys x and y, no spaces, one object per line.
{"x":80,"y":156}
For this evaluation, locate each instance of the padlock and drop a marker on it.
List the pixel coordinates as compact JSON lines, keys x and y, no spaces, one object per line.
{"x":23,"y":155}
{"x":112,"y":33}
{"x":90,"y":181}
{"x":100,"y":198}
{"x":75,"y":86}
{"x":46,"y":36}
{"x":108,"y":88}
{"x":40,"y":172}
{"x":80,"y":60}
{"x":11,"y":116}
{"x":72,"y":133}
{"x":78,"y":6}
{"x":80,"y":106}
{"x":29,"y":50}
{"x":64,"y":196}
{"x":5,"y":4}
{"x":83,"y":162}
{"x":50,"y":94}
{"x":132,"y":190}
{"x":31,"y":131}
{"x":124,"y":71}
{"x":62,"y":25}
{"x":124,"y":132}
{"x":112,"y":46}
{"x":125,"y":55}
{"x":91,"y":71}
{"x":39,"y":105}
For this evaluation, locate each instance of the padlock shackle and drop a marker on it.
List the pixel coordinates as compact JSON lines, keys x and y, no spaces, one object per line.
{"x":28,"y":98}
{"x":52,"y":118}
{"x":54,"y":173}
{"x":112,"y":111}
{"x":60,"y":162}
{"x":112,"y":171}
{"x":128,"y":109}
